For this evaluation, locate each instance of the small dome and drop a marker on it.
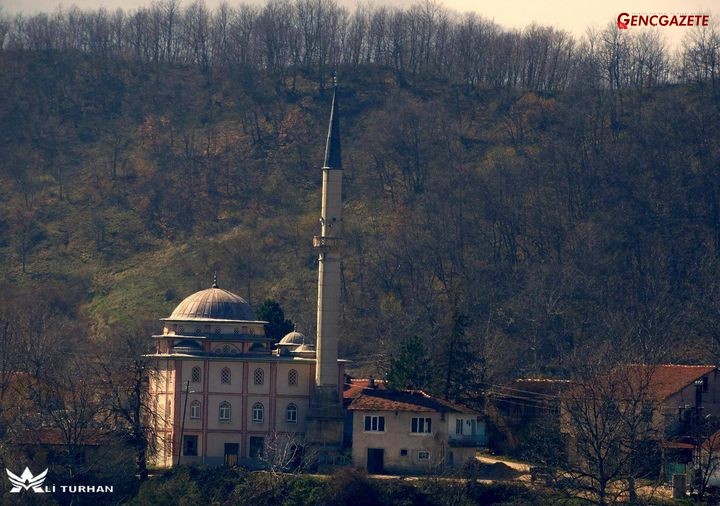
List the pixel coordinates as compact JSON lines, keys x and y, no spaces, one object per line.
{"x":293,"y":338}
{"x":215,"y":304}
{"x":305,"y":348}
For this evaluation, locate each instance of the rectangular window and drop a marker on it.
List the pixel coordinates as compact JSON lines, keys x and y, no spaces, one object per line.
{"x":403,"y":452}
{"x":458,"y":426}
{"x":423,"y":455}
{"x":258,"y":413}
{"x":421,"y":425}
{"x":374,"y":423}
{"x":190,"y":445}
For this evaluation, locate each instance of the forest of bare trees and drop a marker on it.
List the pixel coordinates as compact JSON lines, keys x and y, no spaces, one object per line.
{"x":425,"y":40}
{"x":513,"y":197}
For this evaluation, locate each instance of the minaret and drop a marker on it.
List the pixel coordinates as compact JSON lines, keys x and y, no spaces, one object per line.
{"x":327,"y":244}
{"x":325,"y":416}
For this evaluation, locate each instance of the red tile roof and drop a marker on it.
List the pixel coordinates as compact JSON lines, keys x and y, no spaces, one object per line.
{"x":356,"y":386}
{"x":656,"y":382}
{"x":415,"y":401}
{"x":54,"y":436}
{"x":668,"y":379}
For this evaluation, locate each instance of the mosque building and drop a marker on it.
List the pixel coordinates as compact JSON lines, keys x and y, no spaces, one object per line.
{"x":224,"y":393}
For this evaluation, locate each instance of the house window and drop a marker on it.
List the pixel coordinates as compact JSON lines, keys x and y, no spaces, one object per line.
{"x":458,"y":426}
{"x":196,"y":375}
{"x":421,"y":426}
{"x":292,"y":411}
{"x":225,"y":376}
{"x":259,"y":376}
{"x":190,"y":445}
{"x":374,"y":423}
{"x":224,"y":411}
{"x":292,"y":378}
{"x":403,"y":452}
{"x":258,"y":412}
{"x":195,"y":410}
{"x":423,"y":455}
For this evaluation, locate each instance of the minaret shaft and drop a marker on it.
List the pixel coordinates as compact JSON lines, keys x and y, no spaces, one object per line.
{"x":328,"y":304}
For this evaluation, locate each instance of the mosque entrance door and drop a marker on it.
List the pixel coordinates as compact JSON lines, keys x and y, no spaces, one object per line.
{"x":375,"y":460}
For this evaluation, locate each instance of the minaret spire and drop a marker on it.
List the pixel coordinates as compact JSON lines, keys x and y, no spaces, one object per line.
{"x":333,"y":158}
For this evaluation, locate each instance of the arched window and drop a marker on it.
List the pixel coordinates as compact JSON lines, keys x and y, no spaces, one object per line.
{"x":258,"y":412}
{"x":259,"y":376}
{"x":195,"y":410}
{"x":292,"y":412}
{"x":225,"y":376}
{"x":196,"y":375}
{"x":292,"y":378}
{"x":224,"y":411}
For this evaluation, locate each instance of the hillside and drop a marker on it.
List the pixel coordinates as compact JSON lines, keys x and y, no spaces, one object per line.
{"x":505,"y":227}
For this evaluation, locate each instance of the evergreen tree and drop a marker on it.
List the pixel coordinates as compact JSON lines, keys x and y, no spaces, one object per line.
{"x":412,"y":367}
{"x":277,"y":326}
{"x":462,"y":372}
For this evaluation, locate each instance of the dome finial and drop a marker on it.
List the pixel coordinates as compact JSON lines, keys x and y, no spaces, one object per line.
{"x":215,"y":285}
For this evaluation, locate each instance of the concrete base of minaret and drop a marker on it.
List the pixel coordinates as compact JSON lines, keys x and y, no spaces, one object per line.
{"x":324,"y":430}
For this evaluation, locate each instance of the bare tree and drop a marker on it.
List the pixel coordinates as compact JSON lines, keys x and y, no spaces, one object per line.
{"x":701,"y":55}
{"x":611,"y":418}
{"x":286,"y":452}
{"x":707,"y":453}
{"x":123,"y":374}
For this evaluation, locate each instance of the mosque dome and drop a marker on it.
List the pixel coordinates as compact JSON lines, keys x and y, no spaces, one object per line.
{"x":213,"y":304}
{"x":293,"y":338}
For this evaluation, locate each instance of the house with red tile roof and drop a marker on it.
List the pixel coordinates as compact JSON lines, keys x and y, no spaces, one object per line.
{"x":663,"y":402}
{"x":412,"y":432}
{"x":682,"y":391}
{"x":677,"y":390}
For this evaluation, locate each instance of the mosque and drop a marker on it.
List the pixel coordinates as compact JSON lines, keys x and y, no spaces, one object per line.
{"x":224,"y":393}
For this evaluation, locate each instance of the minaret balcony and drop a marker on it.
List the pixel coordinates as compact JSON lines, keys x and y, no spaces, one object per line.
{"x":326,"y":242}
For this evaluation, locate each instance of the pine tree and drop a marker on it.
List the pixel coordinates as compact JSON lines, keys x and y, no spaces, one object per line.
{"x":412,"y":367}
{"x":277,"y":326}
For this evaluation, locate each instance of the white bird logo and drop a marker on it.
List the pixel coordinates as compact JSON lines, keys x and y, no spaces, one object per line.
{"x":26,"y":481}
